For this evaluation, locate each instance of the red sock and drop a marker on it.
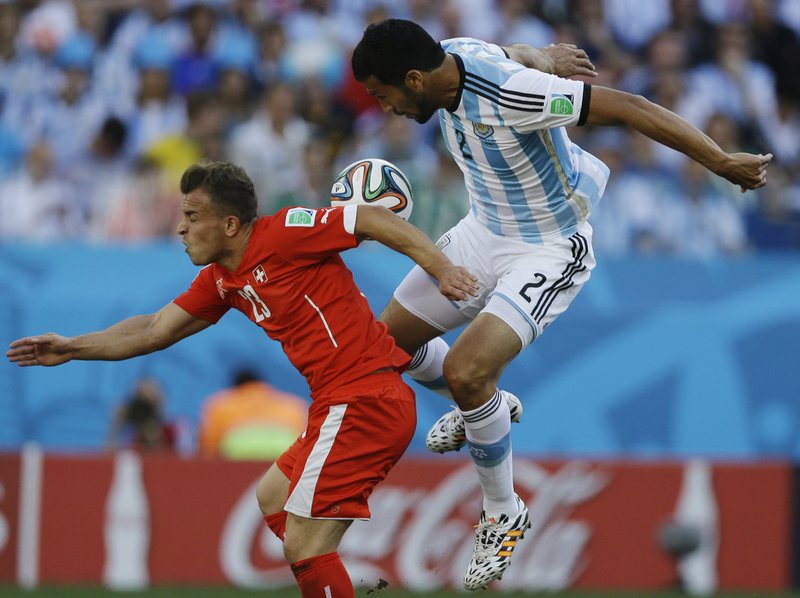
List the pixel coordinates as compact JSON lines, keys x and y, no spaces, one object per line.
{"x":277,"y":523}
{"x":323,"y":576}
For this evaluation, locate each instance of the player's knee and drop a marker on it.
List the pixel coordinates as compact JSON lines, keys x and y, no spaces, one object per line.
{"x":300,"y":544}
{"x":466,"y":379}
{"x":294,"y":550}
{"x":306,"y":538}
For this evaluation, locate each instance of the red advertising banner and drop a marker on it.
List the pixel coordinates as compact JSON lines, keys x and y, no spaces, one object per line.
{"x":129,"y":521}
{"x":9,"y":514}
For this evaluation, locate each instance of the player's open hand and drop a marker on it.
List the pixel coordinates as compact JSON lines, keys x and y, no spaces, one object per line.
{"x":457,"y":284}
{"x":569,"y":60}
{"x":44,"y":349}
{"x":749,"y":171}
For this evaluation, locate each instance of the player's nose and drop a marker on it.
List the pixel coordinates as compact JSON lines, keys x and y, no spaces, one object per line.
{"x":385,"y":106}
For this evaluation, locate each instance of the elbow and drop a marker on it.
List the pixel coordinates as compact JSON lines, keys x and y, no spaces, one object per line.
{"x":635,"y":99}
{"x":638,"y":102}
{"x":153,"y":342}
{"x":629,"y":111}
{"x":636,"y":106}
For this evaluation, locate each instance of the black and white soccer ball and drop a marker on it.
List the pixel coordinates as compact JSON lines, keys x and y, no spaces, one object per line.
{"x":372,"y":181}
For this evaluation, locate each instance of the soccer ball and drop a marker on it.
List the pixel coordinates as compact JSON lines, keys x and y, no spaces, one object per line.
{"x":373,"y":181}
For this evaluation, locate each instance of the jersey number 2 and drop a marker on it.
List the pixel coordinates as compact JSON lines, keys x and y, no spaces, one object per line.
{"x":462,"y":145}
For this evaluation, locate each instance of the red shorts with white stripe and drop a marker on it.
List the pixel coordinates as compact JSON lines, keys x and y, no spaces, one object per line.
{"x":354,"y":436}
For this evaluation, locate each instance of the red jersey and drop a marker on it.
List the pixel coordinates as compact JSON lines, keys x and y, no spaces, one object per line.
{"x":293,"y":284}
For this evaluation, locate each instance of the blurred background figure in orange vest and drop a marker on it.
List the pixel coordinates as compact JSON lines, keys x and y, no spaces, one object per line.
{"x":250,"y":420}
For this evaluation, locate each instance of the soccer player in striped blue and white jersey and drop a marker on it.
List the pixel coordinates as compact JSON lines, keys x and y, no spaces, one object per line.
{"x":502,"y":112}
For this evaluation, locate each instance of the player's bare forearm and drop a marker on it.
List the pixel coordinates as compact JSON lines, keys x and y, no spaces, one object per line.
{"x":381,"y":225}
{"x":671,"y":130}
{"x":128,"y":338}
{"x":121,"y":341}
{"x":611,"y":107}
{"x":564,"y":60}
{"x":134,"y":336}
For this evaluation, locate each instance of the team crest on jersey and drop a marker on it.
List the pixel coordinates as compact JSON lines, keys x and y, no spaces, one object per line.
{"x":260,"y":274}
{"x":221,"y":289}
{"x":562,"y":103}
{"x":300,"y":217}
{"x":483,"y":131}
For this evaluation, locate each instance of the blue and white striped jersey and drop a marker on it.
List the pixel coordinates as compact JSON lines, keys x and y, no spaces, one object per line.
{"x":505,"y":130}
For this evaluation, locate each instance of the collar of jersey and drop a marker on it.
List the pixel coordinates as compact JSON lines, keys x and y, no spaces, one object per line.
{"x":461,"y":75}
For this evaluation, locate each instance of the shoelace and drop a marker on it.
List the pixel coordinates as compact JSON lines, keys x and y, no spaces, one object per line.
{"x":454,"y":424}
{"x":489,"y":536}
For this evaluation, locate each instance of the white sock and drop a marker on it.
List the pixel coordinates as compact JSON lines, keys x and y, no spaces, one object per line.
{"x":488,"y":430}
{"x":426,"y":367}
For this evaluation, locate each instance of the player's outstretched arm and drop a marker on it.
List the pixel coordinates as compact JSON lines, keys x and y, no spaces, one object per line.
{"x":564,"y":60}
{"x":138,"y":335}
{"x":612,"y":107}
{"x":378,"y":223}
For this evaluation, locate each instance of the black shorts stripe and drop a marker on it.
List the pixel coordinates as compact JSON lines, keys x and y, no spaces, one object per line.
{"x":552,"y":297}
{"x":579,"y":251}
{"x":497,"y":101}
{"x":580,"y":248}
{"x":536,"y":96}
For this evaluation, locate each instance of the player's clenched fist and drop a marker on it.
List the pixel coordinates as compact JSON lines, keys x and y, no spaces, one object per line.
{"x":749,"y":171}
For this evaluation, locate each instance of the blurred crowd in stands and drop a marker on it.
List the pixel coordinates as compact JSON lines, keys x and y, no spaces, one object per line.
{"x":103,"y":103}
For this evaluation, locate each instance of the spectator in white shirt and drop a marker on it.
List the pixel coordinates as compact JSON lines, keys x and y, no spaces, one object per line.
{"x":270,"y":145}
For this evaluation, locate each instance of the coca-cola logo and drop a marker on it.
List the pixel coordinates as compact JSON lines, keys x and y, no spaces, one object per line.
{"x":422,"y":538}
{"x":5,"y":528}
{"x":244,"y":527}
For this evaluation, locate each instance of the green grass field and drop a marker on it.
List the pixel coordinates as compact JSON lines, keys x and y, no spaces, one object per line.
{"x":197,"y":592}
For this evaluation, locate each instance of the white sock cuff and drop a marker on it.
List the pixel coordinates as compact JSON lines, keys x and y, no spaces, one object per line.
{"x":488,"y":413}
{"x":428,"y":360}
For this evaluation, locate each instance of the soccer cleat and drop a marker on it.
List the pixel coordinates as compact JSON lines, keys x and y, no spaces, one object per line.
{"x":448,"y":434}
{"x":495,"y":540}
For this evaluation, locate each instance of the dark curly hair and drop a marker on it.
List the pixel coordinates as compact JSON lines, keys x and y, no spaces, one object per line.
{"x":391,"y":48}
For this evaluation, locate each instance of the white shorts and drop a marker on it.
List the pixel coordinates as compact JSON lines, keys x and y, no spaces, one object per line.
{"x":527,"y":286}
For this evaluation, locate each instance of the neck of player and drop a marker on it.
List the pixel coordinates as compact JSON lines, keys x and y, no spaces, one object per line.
{"x":237,"y":248}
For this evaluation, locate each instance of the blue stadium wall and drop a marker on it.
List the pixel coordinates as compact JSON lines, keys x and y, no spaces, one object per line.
{"x":657,"y":358}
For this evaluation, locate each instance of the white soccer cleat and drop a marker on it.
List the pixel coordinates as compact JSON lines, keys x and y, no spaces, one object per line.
{"x":495,"y":540}
{"x":448,"y":434}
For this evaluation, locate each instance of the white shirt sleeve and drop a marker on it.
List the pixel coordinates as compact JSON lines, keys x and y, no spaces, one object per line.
{"x":563,"y":102}
{"x":350,"y":213}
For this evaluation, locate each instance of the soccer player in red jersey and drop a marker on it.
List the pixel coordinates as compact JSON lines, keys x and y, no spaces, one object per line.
{"x":285,"y":274}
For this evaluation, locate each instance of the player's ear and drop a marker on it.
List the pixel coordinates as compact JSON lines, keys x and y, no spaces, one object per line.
{"x":414,"y":80}
{"x":232,"y":225}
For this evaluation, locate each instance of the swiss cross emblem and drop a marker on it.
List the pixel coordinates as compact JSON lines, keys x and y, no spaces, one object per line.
{"x":260,"y":274}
